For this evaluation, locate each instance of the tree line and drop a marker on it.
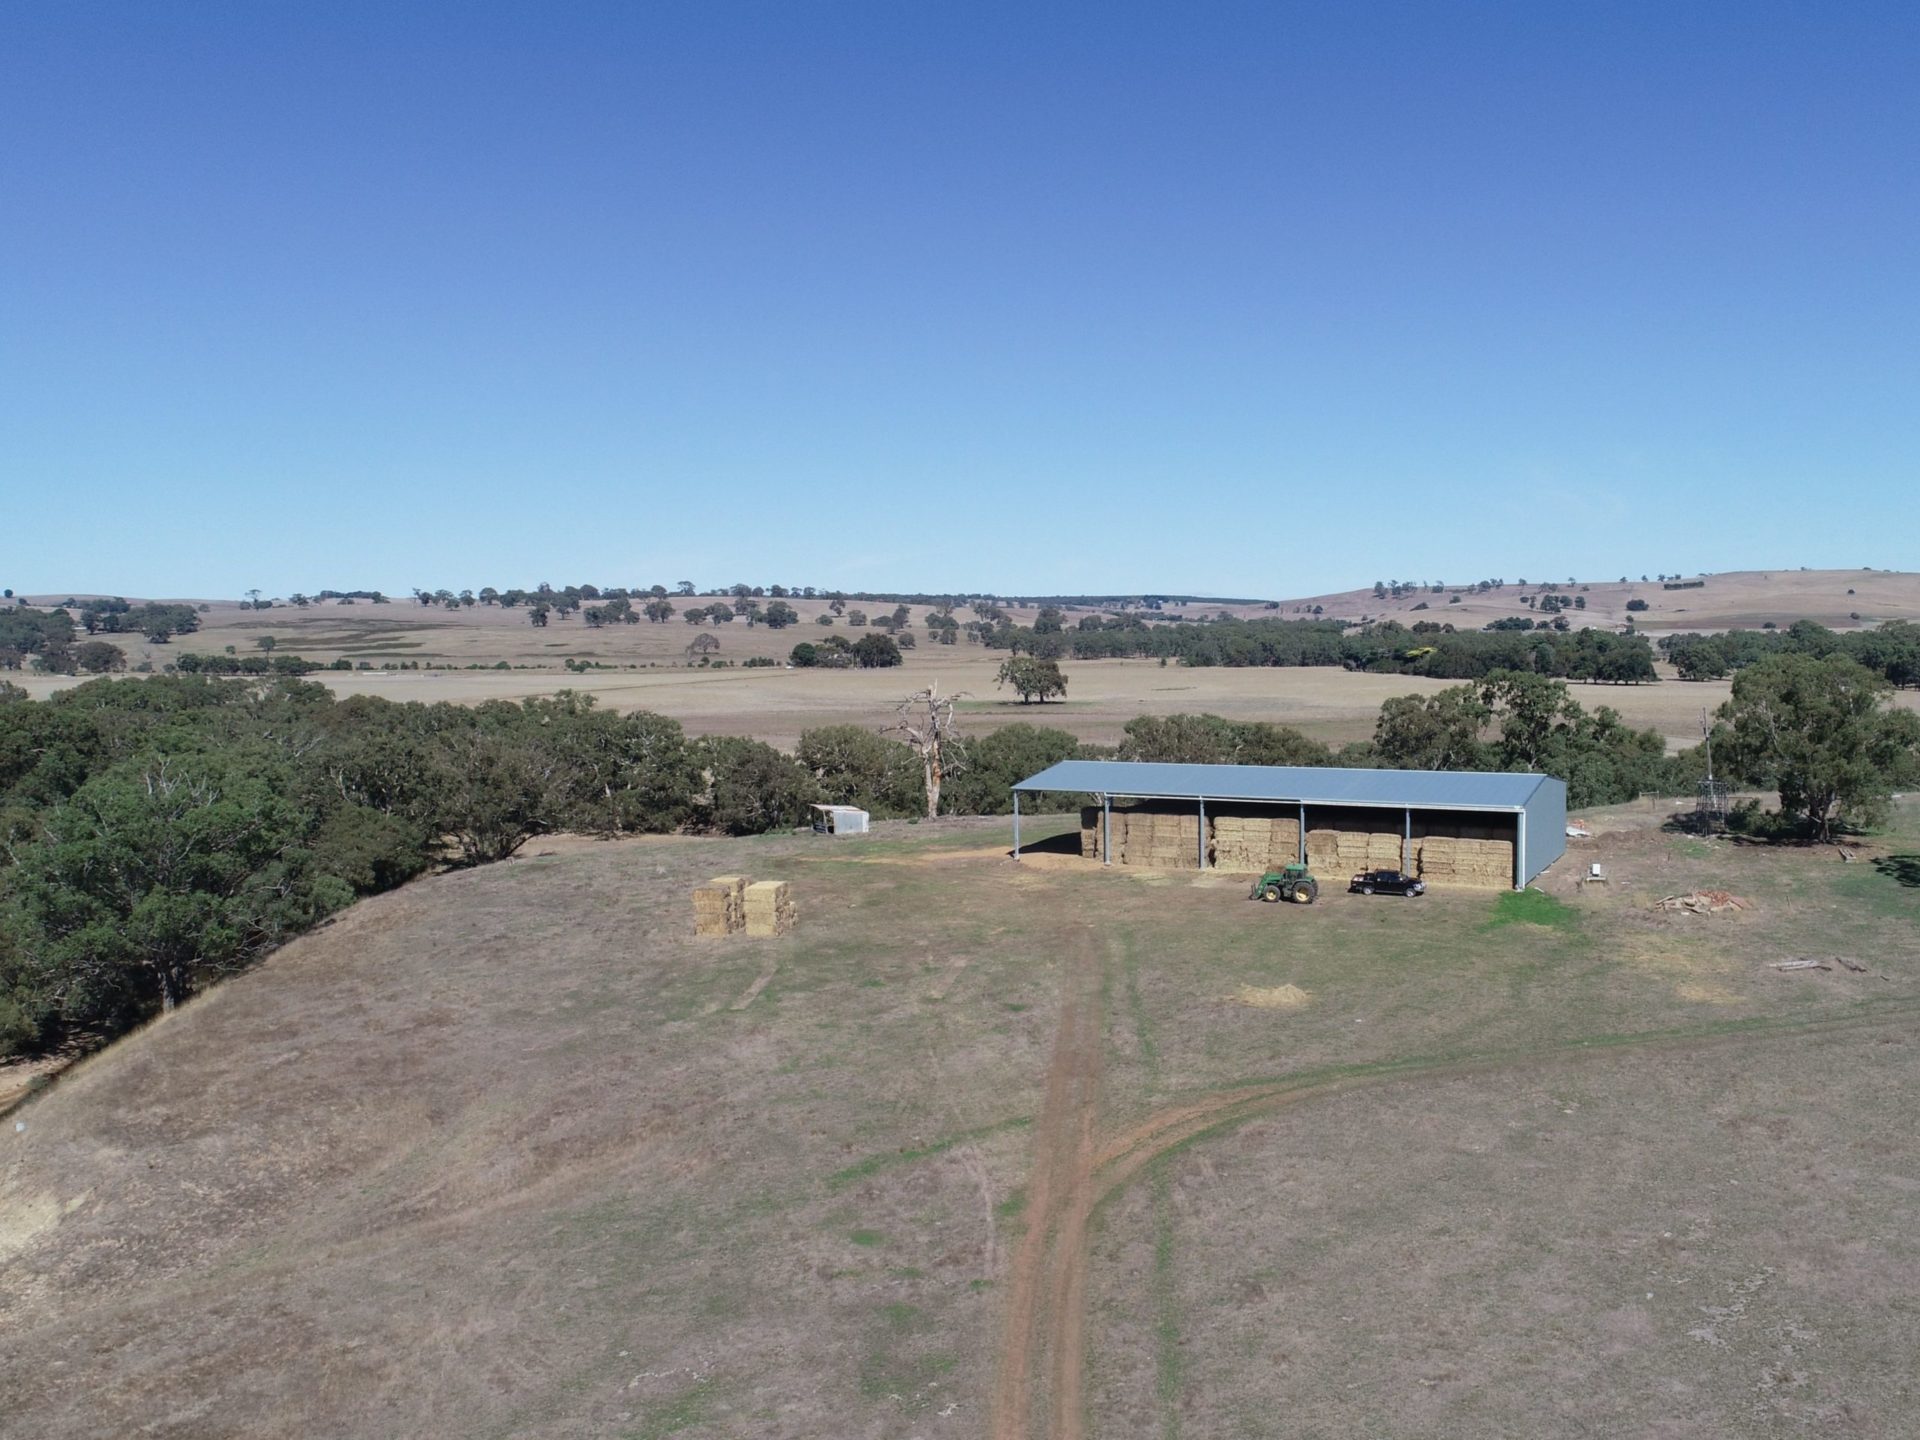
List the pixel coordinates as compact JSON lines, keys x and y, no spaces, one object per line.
{"x":1891,"y":651}
{"x":48,"y":640}
{"x":1427,"y":648}
{"x":154,"y":837}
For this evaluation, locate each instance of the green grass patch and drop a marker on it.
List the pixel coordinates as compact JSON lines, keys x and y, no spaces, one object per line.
{"x":1137,"y":1012}
{"x":1166,"y":1306}
{"x":860,"y":1169}
{"x":868,"y":1238}
{"x":1532,"y":907}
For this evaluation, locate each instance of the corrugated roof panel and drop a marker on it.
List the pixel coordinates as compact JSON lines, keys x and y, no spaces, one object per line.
{"x":1304,"y":784}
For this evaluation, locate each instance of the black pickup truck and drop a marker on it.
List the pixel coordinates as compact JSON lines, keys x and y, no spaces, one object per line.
{"x":1386,"y":882}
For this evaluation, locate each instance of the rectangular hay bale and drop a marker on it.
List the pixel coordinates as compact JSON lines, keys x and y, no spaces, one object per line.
{"x":718,"y":907}
{"x":769,"y":908}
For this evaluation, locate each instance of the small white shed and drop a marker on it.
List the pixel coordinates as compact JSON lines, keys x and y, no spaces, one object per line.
{"x":839,"y":820}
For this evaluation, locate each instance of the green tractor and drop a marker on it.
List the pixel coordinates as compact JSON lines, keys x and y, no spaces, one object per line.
{"x":1291,"y":883}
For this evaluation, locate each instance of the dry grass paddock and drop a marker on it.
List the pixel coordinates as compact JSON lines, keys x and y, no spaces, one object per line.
{"x":995,"y":1151}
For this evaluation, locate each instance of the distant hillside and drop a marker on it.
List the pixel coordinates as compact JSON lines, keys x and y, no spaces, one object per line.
{"x":1735,"y":599}
{"x":1738,"y":599}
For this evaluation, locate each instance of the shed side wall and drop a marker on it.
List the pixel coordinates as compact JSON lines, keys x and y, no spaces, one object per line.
{"x":1546,"y":827}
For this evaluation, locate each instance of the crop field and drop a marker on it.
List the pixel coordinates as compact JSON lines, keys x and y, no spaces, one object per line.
{"x":986,"y":1150}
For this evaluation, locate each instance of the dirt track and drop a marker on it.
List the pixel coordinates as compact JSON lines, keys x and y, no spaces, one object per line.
{"x":1074,"y":1173}
{"x":1059,"y":1199}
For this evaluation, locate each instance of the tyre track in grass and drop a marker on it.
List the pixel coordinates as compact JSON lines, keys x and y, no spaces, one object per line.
{"x":1074,"y":1173}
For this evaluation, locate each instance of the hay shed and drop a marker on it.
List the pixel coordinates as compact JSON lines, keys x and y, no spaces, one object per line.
{"x":1451,"y":828}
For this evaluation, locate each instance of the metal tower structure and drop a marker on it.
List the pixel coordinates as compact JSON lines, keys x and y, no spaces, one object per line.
{"x":1711,"y":804}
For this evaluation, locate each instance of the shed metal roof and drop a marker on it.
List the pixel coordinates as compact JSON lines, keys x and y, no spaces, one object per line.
{"x":1300,"y":784}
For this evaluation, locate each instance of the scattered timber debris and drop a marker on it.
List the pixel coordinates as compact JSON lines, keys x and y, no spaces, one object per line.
{"x":1702,"y":902}
{"x":1810,"y":963}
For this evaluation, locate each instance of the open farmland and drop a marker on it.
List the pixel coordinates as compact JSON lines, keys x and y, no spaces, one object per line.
{"x":1002,"y":1152}
{"x":651,"y":670}
{"x":776,"y":704}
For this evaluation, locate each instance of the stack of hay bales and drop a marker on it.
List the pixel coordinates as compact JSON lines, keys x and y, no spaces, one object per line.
{"x":719,"y":906}
{"x":1157,"y":839}
{"x":1090,"y":832}
{"x":1254,"y":844}
{"x":1345,"y":846}
{"x":769,"y":908}
{"x":1477,"y":856}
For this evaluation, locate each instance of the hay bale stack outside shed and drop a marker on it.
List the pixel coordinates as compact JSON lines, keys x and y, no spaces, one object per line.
{"x":770,"y":908}
{"x":719,"y":906}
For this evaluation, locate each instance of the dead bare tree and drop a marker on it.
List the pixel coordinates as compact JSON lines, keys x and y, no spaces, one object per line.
{"x":926,"y":720}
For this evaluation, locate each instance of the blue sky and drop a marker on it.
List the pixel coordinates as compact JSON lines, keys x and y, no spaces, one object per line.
{"x":1264,"y":299}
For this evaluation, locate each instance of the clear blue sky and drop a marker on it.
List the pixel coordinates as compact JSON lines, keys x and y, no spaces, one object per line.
{"x":1261,"y":299}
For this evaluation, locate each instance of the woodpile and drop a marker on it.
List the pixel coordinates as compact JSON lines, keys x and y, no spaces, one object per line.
{"x":769,"y":908}
{"x":719,"y":906}
{"x":1254,"y":844}
{"x":1702,"y":902}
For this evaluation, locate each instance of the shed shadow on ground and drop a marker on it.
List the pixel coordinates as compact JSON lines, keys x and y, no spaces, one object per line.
{"x":1065,"y":843}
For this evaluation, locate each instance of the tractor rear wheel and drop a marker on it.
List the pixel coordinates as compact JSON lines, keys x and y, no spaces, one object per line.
{"x":1306,"y":891}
